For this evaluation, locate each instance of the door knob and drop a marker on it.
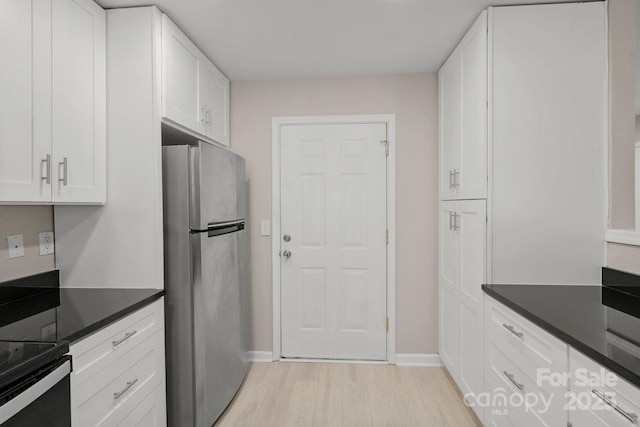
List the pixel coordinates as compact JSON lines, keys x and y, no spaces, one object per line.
{"x":286,"y":254}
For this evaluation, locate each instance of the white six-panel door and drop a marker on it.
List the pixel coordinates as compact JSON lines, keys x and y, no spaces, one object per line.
{"x":333,"y":208}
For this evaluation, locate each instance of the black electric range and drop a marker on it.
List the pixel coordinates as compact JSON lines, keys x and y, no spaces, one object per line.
{"x":602,"y":322}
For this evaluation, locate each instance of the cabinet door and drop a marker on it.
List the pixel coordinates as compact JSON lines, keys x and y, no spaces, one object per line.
{"x":25,"y":103}
{"x":471,"y":181}
{"x":78,"y":102}
{"x":471,"y":229}
{"x":450,"y":119}
{"x":214,"y":96}
{"x":449,"y":298}
{"x":181,"y":78}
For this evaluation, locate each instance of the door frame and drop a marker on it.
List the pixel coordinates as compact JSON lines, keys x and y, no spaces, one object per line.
{"x":277,"y":123}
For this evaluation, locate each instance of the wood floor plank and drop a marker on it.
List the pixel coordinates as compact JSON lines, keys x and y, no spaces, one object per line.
{"x":359,"y":395}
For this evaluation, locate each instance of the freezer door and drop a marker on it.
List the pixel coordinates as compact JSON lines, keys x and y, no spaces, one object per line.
{"x":219,"y":322}
{"x":217,"y":181}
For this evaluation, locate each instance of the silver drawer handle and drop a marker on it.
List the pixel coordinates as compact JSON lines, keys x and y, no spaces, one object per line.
{"x":513,"y":330}
{"x":130,"y":384}
{"x":513,"y":380}
{"x":633,"y":418}
{"x":123,"y":339}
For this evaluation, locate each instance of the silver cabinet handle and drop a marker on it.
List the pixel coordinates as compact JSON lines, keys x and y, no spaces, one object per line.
{"x":456,"y":174}
{"x":209,"y":114}
{"x":130,"y":384}
{"x":47,"y":169}
{"x":123,"y":339}
{"x":286,"y":254}
{"x":202,"y":114}
{"x":513,"y":330}
{"x":512,"y":378}
{"x":456,"y":216}
{"x":633,"y":418}
{"x":450,"y":179}
{"x":64,"y":165}
{"x":450,"y":220}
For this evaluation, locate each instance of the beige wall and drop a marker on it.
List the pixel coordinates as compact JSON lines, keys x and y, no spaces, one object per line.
{"x":622,"y":28}
{"x":28,"y":221}
{"x":413,"y":98}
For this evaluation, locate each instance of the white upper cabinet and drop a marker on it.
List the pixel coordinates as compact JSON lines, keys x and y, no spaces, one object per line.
{"x":78,"y":102}
{"x":25,"y":85}
{"x":52,"y":111}
{"x":463,"y":117}
{"x":195,"y":94}
{"x":180,"y":78}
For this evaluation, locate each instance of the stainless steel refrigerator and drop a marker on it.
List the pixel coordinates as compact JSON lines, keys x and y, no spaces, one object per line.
{"x":205,"y":281}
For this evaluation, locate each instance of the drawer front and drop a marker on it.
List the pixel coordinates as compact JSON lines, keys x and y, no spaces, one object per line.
{"x":152,"y":412}
{"x":126,"y":382}
{"x":591,"y":384}
{"x":93,"y":354}
{"x":536,"y":345}
{"x":500,"y":413}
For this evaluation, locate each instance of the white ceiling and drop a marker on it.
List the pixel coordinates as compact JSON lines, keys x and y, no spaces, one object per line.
{"x":283,"y":39}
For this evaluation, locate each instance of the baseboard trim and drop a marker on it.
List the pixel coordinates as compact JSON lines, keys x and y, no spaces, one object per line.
{"x":416,"y":359}
{"x":260,"y":356}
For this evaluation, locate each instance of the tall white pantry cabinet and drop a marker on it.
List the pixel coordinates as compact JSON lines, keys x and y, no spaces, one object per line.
{"x":523,"y":139}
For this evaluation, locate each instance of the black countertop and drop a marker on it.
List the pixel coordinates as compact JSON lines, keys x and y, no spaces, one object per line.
{"x":54,"y":314}
{"x":603,"y":322}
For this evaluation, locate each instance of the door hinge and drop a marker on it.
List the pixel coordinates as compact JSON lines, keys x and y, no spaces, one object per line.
{"x":387,"y":324}
{"x":386,"y":147}
{"x":387,"y":237}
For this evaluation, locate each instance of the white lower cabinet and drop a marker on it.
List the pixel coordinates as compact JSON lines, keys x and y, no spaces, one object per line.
{"x":462,"y":273}
{"x":118,"y":376}
{"x":520,"y":359}
{"x":599,"y":397}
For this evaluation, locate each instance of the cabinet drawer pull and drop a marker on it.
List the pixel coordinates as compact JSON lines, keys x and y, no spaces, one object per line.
{"x":513,"y":330}
{"x":450,"y":220}
{"x":64,"y":165}
{"x":512,"y":378}
{"x":123,"y":339}
{"x":47,"y":169}
{"x":456,"y":216}
{"x":202,"y":115}
{"x":633,"y":418}
{"x":450,"y":179}
{"x":130,"y":384}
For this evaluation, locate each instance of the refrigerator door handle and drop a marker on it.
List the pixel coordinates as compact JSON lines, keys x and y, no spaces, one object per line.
{"x":222,"y":224}
{"x":219,"y":229}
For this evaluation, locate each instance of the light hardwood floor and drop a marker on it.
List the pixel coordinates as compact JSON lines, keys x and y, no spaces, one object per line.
{"x":359,"y":395}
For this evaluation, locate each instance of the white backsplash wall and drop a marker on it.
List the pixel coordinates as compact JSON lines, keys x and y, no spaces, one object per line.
{"x":623,"y":257}
{"x":28,"y":221}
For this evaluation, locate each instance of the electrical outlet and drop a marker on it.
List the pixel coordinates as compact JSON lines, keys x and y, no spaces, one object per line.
{"x":15,"y":245}
{"x":265,"y":227}
{"x":46,"y":242}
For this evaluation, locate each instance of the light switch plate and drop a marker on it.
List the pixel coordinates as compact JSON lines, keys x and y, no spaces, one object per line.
{"x":15,"y":245}
{"x":46,"y":242}
{"x":265,"y":227}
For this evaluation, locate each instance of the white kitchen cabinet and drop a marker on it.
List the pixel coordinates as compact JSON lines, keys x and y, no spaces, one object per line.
{"x":25,"y":85}
{"x":462,"y":273}
{"x":195,"y":94}
{"x":604,"y":400}
{"x":463,"y":117}
{"x":52,"y":111}
{"x":119,"y":372}
{"x":78,"y":102}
